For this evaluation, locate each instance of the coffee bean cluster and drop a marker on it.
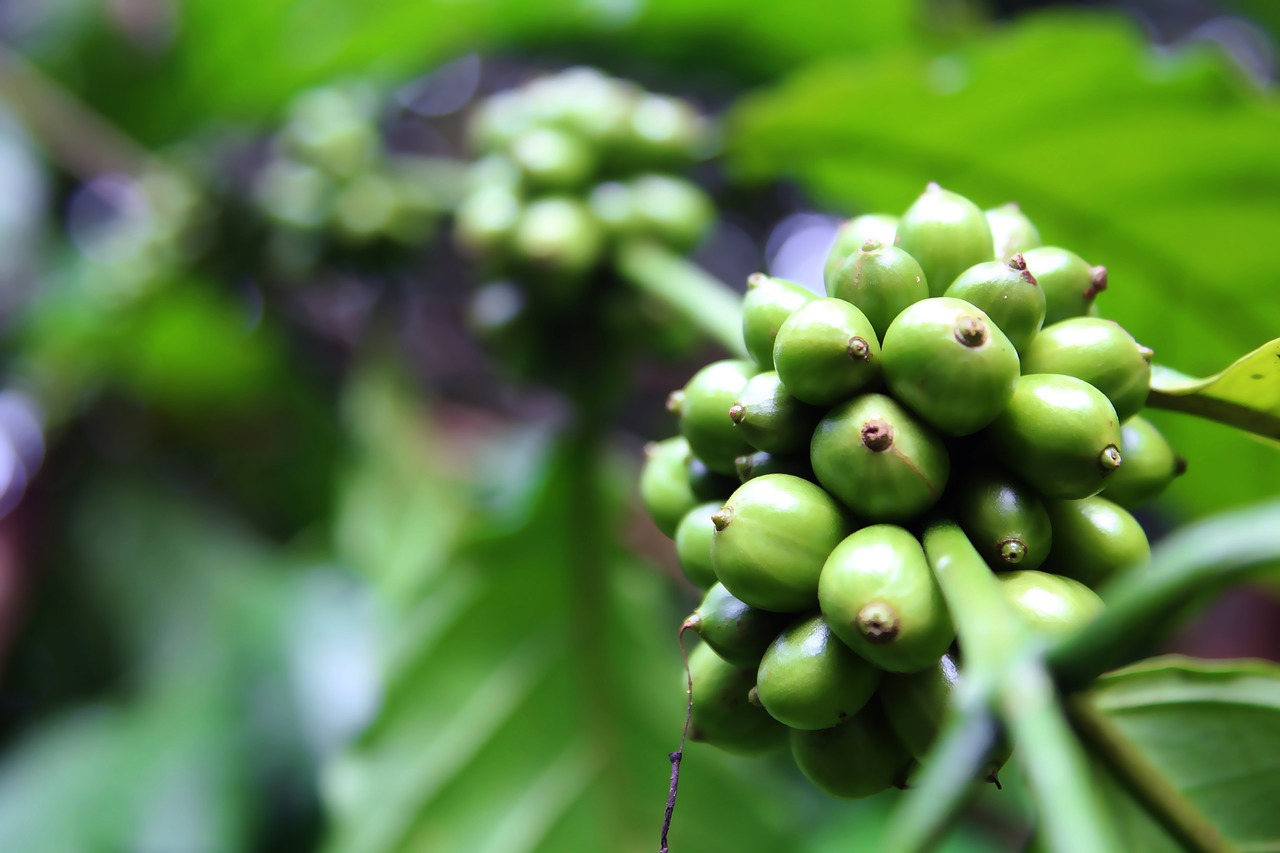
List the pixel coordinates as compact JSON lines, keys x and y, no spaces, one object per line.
{"x":956,"y":368}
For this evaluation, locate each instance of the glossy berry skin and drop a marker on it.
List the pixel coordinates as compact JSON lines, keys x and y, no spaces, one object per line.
{"x":1052,"y":605}
{"x":880,"y":280}
{"x":706,"y":484}
{"x":1094,"y":539}
{"x":1003,"y":517}
{"x":772,"y":537}
{"x":808,"y":679}
{"x":770,"y":418}
{"x":738,"y":632}
{"x":948,"y":362}
{"x":856,"y":759}
{"x":665,"y":490}
{"x":826,"y":352}
{"x":722,"y":714}
{"x":1011,"y":231}
{"x":851,"y":235}
{"x":693,"y":545}
{"x":760,"y":463}
{"x":1101,"y":353}
{"x":768,"y":303}
{"x":880,"y":597}
{"x":946,"y":233}
{"x":557,"y":235}
{"x":1150,"y":465}
{"x":1059,"y":434}
{"x":704,"y":413}
{"x":878,"y":459}
{"x":1008,"y":294}
{"x":1069,"y":283}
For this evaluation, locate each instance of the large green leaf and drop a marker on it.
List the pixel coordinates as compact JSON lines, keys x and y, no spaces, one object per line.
{"x":1154,"y":164}
{"x":1246,"y":394}
{"x":1213,"y":730}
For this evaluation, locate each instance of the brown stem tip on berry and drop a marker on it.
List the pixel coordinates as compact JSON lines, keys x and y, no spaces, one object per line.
{"x":877,"y":435}
{"x":1012,"y":550}
{"x":858,"y":349}
{"x":1147,"y":353}
{"x":756,"y":279}
{"x":1109,"y":459}
{"x":971,"y":331}
{"x":720,"y":518}
{"x":675,"y":401}
{"x":737,"y":413}
{"x":878,"y":622}
{"x":1097,"y":282}
{"x":872,"y":245}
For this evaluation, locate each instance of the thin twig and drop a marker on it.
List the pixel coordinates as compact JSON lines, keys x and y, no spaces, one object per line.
{"x":676,"y":756}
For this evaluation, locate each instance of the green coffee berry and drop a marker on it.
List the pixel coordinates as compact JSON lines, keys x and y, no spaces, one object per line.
{"x":1003,"y":517}
{"x":1150,"y":465}
{"x":559,"y":236}
{"x":851,"y":235}
{"x":1058,"y":433}
{"x":770,"y":418}
{"x":1050,"y":604}
{"x":552,"y":160}
{"x":1094,"y":539}
{"x":917,"y":705}
{"x":768,"y":303}
{"x":486,"y":219}
{"x":704,"y":413}
{"x":706,"y":484}
{"x":826,"y":351}
{"x":1011,"y":231}
{"x":771,"y":539}
{"x":738,"y":632}
{"x":661,"y":131}
{"x":1008,"y":293}
{"x":1101,"y":353}
{"x":665,"y":490}
{"x":671,"y":210}
{"x":693,"y":545}
{"x":856,"y":759}
{"x":760,"y":463}
{"x":880,"y":280}
{"x":1069,"y":283}
{"x":878,"y":459}
{"x":722,"y":715}
{"x":808,"y":679}
{"x":613,"y":204}
{"x":946,"y":233}
{"x":948,"y":362}
{"x":880,"y":597}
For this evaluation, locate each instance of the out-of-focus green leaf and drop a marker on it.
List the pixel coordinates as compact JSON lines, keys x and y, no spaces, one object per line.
{"x":1213,"y":730}
{"x":1157,"y":165}
{"x":1245,"y":395}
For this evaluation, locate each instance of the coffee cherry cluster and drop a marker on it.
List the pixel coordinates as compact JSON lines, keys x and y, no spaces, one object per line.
{"x":569,"y":168}
{"x":956,"y":369}
{"x":331,"y":176}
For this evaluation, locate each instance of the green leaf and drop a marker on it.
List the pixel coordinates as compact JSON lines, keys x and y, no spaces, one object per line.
{"x":1245,"y":395}
{"x":1213,"y":730}
{"x":1149,"y":163}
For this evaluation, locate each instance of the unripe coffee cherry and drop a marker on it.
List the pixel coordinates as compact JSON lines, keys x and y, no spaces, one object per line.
{"x":486,"y":219}
{"x":760,"y":463}
{"x":1003,"y":517}
{"x":826,"y":352}
{"x":704,"y":405}
{"x":946,"y":361}
{"x":1069,"y":283}
{"x":664,"y":483}
{"x":946,"y":233}
{"x":552,"y":159}
{"x":1052,"y":605}
{"x":1150,"y":465}
{"x":1058,"y":433}
{"x":707,"y":485}
{"x":722,"y":715}
{"x":856,"y":759}
{"x":879,"y":460}
{"x":1011,"y":231}
{"x":1094,"y":539}
{"x":559,"y":236}
{"x":770,"y":418}
{"x":672,"y":210}
{"x":808,"y":679}
{"x":771,"y":539}
{"x":768,"y":303}
{"x":1101,"y":353}
{"x":880,"y":597}
{"x":738,"y":632}
{"x":1008,"y":294}
{"x":851,"y":235}
{"x":880,"y":280}
{"x":693,"y":544}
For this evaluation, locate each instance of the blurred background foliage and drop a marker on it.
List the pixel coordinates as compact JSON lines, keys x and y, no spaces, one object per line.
{"x":290,"y":564}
